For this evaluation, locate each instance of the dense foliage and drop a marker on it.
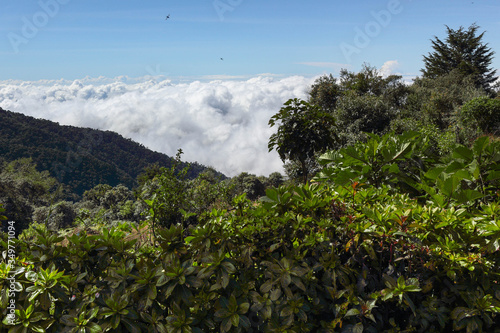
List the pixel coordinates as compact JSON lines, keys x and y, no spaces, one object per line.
{"x":304,"y":130}
{"x":462,"y":50}
{"x":482,"y":113}
{"x":359,"y":102}
{"x":23,"y":189}
{"x":356,"y":251}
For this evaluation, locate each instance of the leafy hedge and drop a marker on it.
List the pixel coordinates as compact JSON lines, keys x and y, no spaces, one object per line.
{"x":371,"y":252}
{"x":482,"y":112}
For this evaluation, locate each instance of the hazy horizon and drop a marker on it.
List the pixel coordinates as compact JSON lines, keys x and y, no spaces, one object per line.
{"x":222,"y":124}
{"x":206,"y":76}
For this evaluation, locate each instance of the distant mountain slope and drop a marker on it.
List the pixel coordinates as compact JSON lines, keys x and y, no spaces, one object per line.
{"x":79,"y":157}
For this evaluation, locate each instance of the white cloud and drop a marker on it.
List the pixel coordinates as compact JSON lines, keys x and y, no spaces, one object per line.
{"x":223,"y":124}
{"x":389,"y":68}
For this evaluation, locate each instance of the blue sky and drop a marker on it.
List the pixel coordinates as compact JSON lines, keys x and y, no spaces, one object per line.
{"x":72,"y":39}
{"x":119,"y":65}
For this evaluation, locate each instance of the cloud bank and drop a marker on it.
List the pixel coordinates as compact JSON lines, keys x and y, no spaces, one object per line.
{"x":221,"y":123}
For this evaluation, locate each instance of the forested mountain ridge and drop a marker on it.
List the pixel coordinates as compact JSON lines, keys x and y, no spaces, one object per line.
{"x":79,"y":157}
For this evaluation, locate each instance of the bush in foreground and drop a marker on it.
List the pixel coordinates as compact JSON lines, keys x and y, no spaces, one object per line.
{"x":356,"y":255}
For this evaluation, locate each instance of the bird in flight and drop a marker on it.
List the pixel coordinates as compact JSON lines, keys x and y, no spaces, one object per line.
{"x":168,"y":16}
{"x":221,"y":58}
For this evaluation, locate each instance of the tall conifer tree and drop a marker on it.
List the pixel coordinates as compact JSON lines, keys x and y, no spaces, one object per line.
{"x":462,"y":50}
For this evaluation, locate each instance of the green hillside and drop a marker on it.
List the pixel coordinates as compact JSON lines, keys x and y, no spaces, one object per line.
{"x":79,"y":157}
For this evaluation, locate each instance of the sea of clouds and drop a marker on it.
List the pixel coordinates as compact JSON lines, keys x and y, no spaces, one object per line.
{"x":219,"y":123}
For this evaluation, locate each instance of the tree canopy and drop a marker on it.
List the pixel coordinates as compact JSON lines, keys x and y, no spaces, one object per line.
{"x":304,"y":130}
{"x":363,"y":101}
{"x":482,"y":112}
{"x":464,"y":50}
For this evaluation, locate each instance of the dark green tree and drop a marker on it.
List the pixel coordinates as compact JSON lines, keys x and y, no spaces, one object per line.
{"x":23,"y":188}
{"x":249,"y":184}
{"x":110,"y":205}
{"x":172,"y":198}
{"x":432,"y":107}
{"x":370,"y":82}
{"x":482,"y":113}
{"x":94,"y":196}
{"x":464,"y":50}
{"x":325,"y":92}
{"x":275,"y":179}
{"x":357,"y":115}
{"x":304,"y":131}
{"x":437,"y":100}
{"x":56,"y":217}
{"x":363,"y":101}
{"x":149,"y":172}
{"x":209,"y":190}
{"x":167,"y":195}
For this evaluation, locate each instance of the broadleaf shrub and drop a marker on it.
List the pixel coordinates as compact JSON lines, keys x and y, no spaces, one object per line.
{"x":348,"y":254}
{"x":483,"y":113}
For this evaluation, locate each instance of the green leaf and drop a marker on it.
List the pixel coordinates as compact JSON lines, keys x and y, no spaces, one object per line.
{"x":68,"y":320}
{"x":358,"y":328}
{"x":434,"y":173}
{"x":94,"y":327}
{"x":37,"y":328}
{"x":245,"y":322}
{"x":286,"y":279}
{"x":115,"y":321}
{"x":287,"y":311}
{"x":464,"y":153}
{"x":229,"y":267}
{"x":221,"y":313}
{"x":471,"y":195}
{"x":493,"y":175}
{"x":131,"y":326}
{"x":352,"y":312}
{"x":235,"y":320}
{"x":480,"y":144}
{"x":394,"y":168}
{"x":448,"y":186}
{"x":271,"y":195}
{"x":401,"y":282}
{"x":275,"y":295}
{"x":454,"y":167}
{"x":31,"y":276}
{"x":243,"y":308}
{"x":226,"y":325}
{"x":266,"y":286}
{"x":460,"y":313}
{"x":274,"y":247}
